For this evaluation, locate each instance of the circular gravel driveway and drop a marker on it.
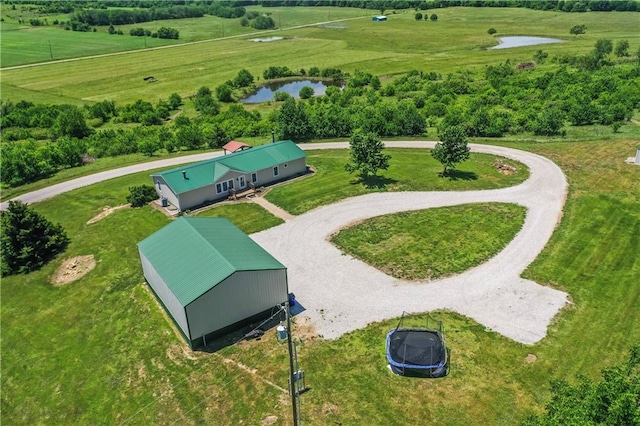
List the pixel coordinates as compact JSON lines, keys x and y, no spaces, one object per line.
{"x":341,"y":294}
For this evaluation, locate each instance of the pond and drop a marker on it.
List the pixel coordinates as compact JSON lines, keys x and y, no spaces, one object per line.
{"x":267,"y":92}
{"x":519,"y":41}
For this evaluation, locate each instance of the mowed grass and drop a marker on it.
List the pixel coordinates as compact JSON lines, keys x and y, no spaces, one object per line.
{"x":24,"y":44}
{"x":102,"y":351}
{"x":433,"y":243}
{"x":456,"y":41}
{"x":409,"y":170}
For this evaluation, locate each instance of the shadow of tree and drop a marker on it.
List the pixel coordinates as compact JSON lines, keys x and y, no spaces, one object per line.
{"x":374,"y":182}
{"x":458,"y":175}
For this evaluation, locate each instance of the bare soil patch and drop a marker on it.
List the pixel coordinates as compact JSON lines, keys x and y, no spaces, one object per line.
{"x":106,"y":212}
{"x":73,"y":269}
{"x":504,"y":168}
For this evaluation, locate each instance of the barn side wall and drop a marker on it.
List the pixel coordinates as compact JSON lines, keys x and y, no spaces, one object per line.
{"x":240,"y":296}
{"x":166,"y":296}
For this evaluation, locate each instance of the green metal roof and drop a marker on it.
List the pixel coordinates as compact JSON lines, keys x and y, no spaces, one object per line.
{"x":250,"y":160}
{"x":194,"y":254}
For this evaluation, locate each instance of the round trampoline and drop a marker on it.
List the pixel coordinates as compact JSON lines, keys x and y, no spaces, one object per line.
{"x":417,"y":351}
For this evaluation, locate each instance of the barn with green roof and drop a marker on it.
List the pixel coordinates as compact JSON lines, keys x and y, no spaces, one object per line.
{"x":211,"y":180}
{"x":210,"y":276}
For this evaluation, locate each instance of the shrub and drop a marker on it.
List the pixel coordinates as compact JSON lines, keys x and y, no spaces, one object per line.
{"x":141,"y":195}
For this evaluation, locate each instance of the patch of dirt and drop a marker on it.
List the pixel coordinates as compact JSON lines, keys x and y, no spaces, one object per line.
{"x":269,"y":420}
{"x":106,"y":212}
{"x":73,"y":269}
{"x":531,"y":358}
{"x":504,"y":168}
{"x":330,"y":409}
{"x":303,"y":329}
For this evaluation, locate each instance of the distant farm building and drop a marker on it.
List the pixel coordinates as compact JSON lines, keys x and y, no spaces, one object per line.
{"x":211,"y":180}
{"x":210,"y":277}
{"x":379,"y":18}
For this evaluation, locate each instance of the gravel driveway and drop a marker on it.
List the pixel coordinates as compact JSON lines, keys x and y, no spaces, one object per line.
{"x":342,"y":294}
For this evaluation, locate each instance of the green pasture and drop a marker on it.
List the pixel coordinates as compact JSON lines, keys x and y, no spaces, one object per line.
{"x":456,"y":41}
{"x":101,"y":349}
{"x":427,"y":245}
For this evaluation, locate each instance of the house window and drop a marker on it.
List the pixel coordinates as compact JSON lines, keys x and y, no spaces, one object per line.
{"x":254,"y":177}
{"x":159,"y":186}
{"x":276,"y":172}
{"x":224,"y":186}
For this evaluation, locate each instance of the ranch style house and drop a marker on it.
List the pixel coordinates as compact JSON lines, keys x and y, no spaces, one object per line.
{"x":207,"y":181}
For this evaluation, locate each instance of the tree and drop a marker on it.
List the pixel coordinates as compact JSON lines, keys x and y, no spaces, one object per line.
{"x":433,"y":17}
{"x":602,"y":48}
{"x":28,"y":239}
{"x":141,"y":195}
{"x":452,"y":148}
{"x":293,"y":120}
{"x":611,"y":401}
{"x":492,"y":31}
{"x":418,"y":16}
{"x":243,"y":79}
{"x":622,"y":48}
{"x":578,"y":29}
{"x":366,"y":154}
{"x":205,"y":103}
{"x":71,"y":122}
{"x":224,"y":93}
{"x":306,"y":92}
{"x":540,"y":56}
{"x":175,"y":101}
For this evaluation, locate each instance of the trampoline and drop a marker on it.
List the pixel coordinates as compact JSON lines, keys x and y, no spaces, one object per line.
{"x":417,"y":351}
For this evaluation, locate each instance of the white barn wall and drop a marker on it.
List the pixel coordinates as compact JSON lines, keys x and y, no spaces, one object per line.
{"x":171,"y":303}
{"x":240,"y":296}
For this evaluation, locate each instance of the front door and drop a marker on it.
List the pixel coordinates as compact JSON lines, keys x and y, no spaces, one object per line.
{"x":241,"y":182}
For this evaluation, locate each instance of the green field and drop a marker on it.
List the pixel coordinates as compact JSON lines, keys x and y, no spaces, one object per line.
{"x":102,"y":351}
{"x":456,"y":41}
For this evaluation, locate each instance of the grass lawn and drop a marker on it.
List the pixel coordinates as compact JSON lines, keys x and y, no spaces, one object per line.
{"x":433,"y":243}
{"x":102,"y":351}
{"x":409,"y":170}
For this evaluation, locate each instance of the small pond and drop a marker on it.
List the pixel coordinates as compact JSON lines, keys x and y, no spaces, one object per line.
{"x":519,"y":41}
{"x":267,"y":92}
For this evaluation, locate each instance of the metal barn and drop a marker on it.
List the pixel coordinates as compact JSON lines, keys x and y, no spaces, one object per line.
{"x":210,"y":276}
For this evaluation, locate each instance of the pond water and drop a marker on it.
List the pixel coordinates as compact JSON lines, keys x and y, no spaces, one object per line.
{"x":267,"y":92}
{"x":519,"y":41}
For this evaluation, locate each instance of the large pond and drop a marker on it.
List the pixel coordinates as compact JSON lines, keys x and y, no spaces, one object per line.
{"x":267,"y":92}
{"x":519,"y":41}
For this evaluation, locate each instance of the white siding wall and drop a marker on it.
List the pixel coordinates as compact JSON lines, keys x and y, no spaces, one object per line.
{"x":173,"y":305}
{"x":163,"y":190}
{"x":240,"y":296}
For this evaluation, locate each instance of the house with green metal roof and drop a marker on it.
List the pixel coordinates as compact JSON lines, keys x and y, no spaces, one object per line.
{"x":210,"y":276}
{"x":211,"y":180}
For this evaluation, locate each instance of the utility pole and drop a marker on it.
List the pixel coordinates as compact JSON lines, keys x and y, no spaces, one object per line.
{"x":292,"y":372}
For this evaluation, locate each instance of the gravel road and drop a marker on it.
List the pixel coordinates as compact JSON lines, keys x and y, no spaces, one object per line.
{"x":342,"y":294}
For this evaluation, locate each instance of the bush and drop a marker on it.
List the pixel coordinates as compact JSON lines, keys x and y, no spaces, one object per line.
{"x":28,"y":239}
{"x":141,"y":195}
{"x":306,"y":92}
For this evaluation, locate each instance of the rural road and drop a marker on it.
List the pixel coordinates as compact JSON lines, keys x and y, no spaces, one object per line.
{"x":342,"y":294}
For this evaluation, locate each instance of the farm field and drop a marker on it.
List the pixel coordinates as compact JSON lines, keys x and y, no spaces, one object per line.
{"x":401,"y":44}
{"x":101,"y":350}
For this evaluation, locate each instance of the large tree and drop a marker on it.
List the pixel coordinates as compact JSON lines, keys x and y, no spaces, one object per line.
{"x":615,"y":400}
{"x":366,"y":154}
{"x":452,"y":148}
{"x":28,"y":239}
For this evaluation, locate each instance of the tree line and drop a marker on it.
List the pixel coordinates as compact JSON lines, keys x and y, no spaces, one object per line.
{"x":38,"y":139}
